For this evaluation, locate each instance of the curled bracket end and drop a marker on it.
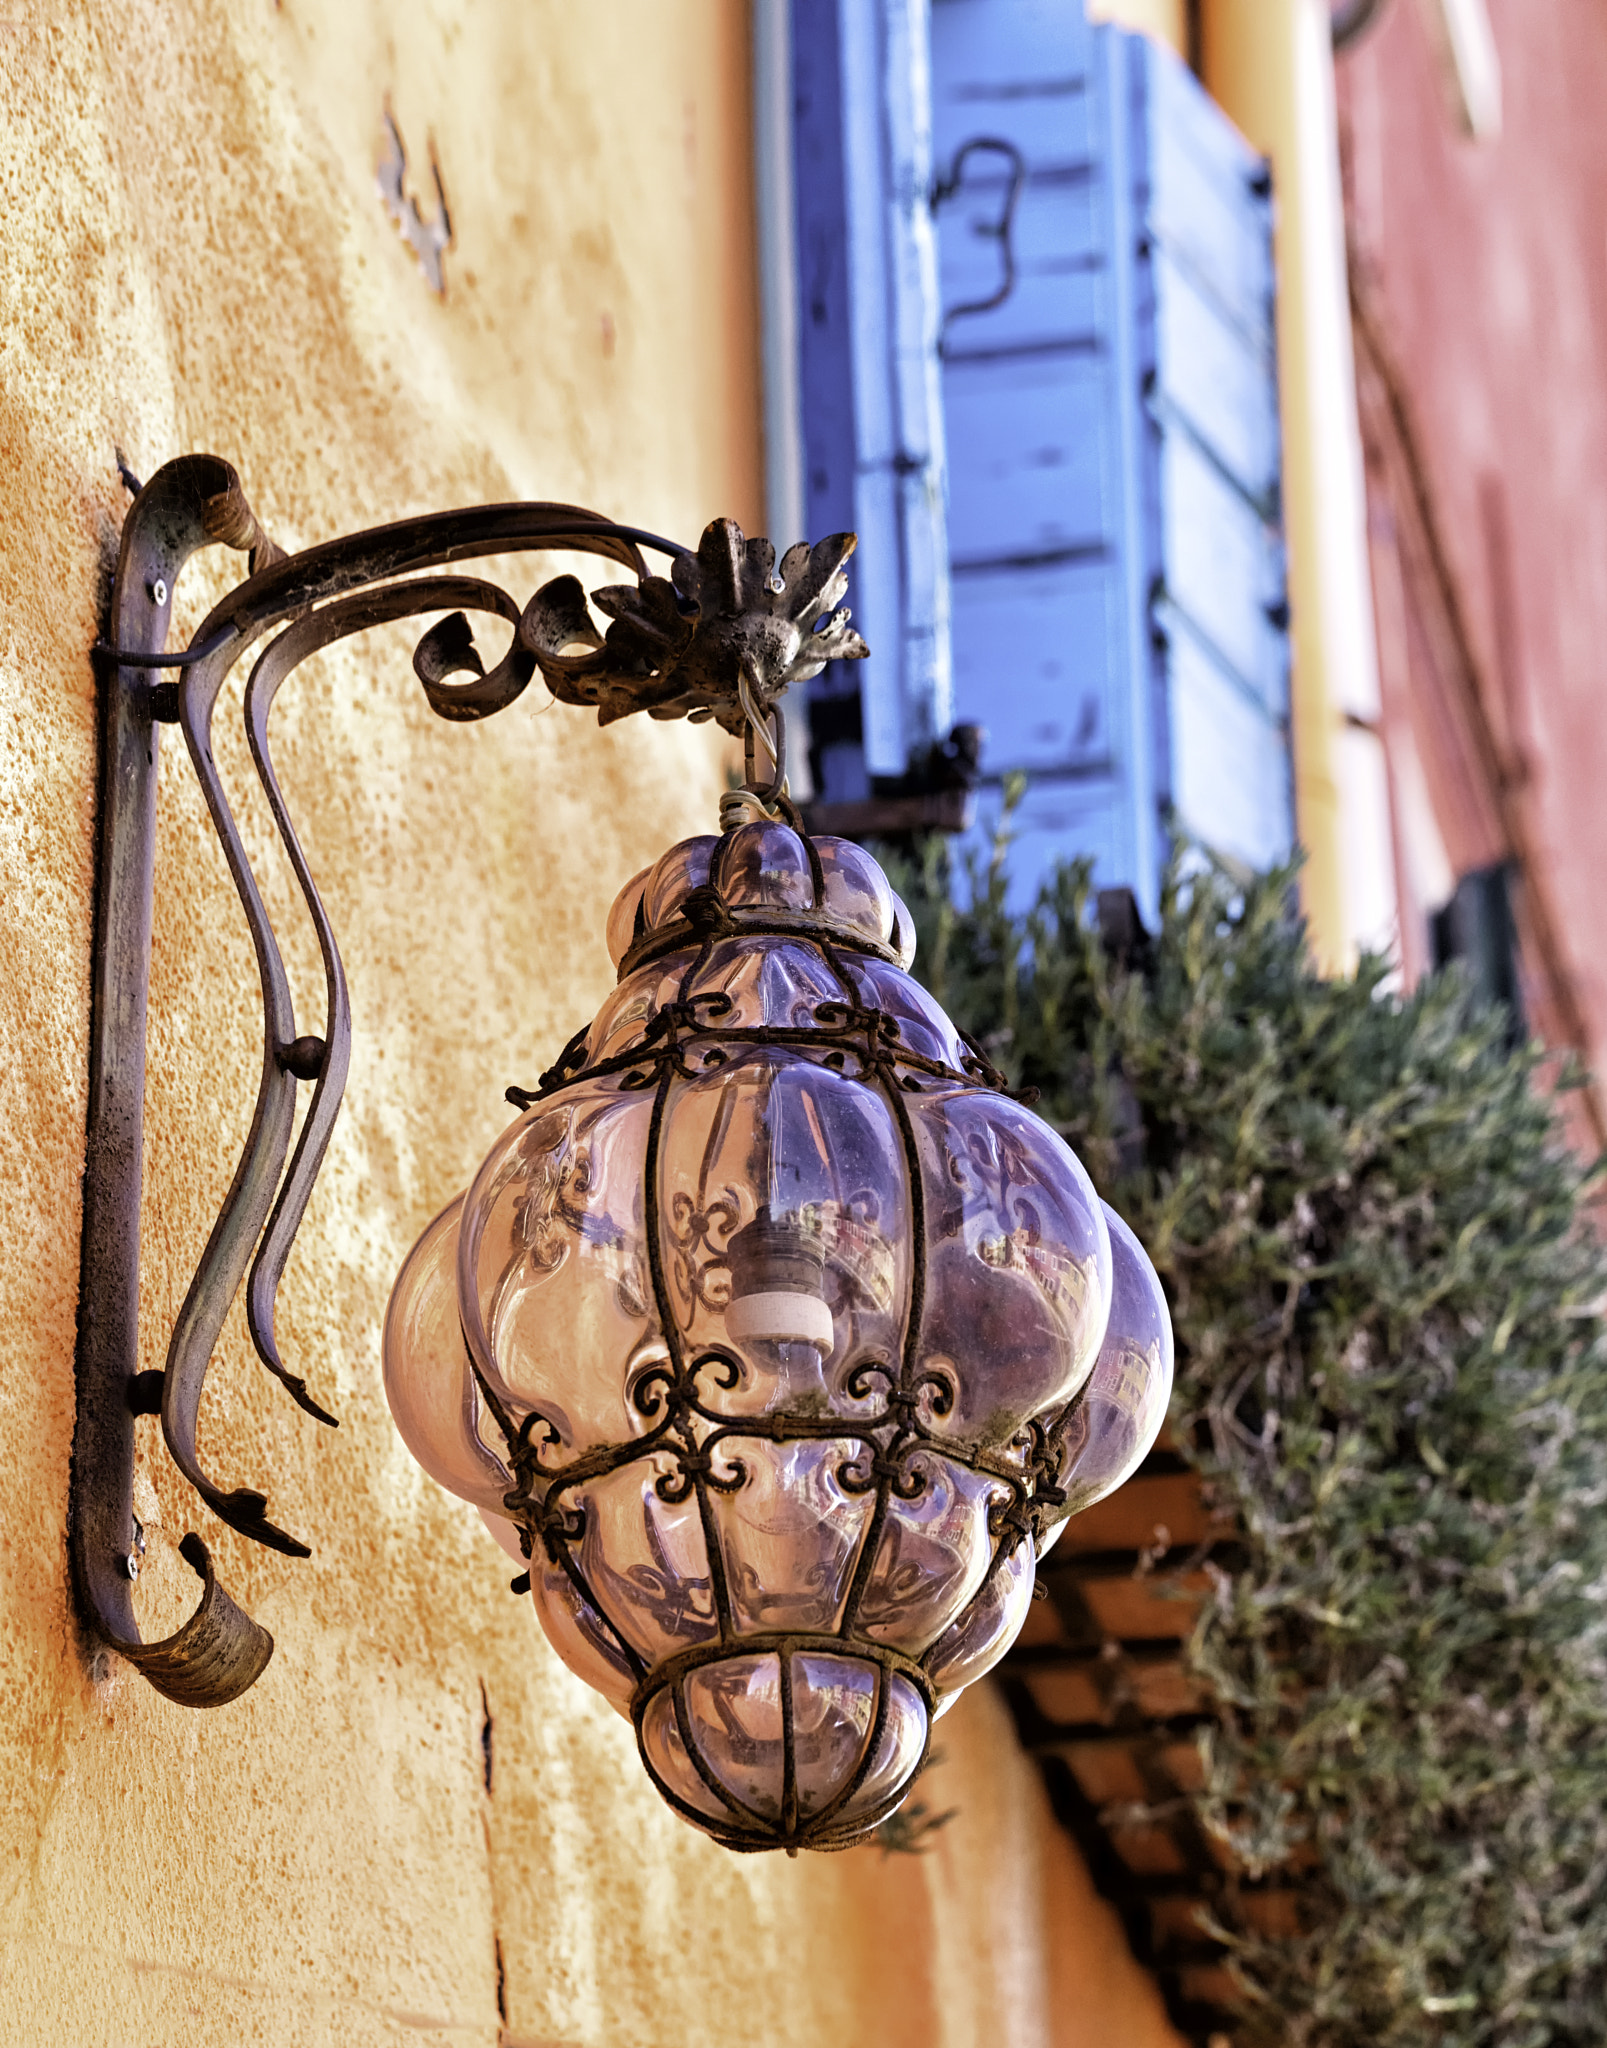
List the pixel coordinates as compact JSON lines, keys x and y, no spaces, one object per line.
{"x":218,"y":1654}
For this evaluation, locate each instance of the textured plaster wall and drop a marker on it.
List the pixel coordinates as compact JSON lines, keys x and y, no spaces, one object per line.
{"x":417,"y":1826}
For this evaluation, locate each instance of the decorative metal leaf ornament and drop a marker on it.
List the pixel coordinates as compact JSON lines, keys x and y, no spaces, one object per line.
{"x":679,"y":645}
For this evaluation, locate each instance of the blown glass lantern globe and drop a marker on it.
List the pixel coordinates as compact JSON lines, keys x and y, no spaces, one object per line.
{"x":779,"y":1339}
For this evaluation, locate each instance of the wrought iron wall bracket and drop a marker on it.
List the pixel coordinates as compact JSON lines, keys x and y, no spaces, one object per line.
{"x":219,"y":1651}
{"x":721,"y":637}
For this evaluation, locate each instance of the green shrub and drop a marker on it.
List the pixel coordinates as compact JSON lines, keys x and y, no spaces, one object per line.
{"x":1391,"y":1363}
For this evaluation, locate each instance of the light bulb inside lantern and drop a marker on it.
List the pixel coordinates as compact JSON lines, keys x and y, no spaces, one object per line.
{"x":778,"y":1284}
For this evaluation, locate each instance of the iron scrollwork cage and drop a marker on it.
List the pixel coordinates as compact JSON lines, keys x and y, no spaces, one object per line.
{"x":774,"y":1338}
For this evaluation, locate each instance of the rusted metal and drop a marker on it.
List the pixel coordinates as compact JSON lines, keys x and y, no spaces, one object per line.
{"x":723,"y":634}
{"x":682,"y":646}
{"x":936,"y":793}
{"x":219,"y":1651}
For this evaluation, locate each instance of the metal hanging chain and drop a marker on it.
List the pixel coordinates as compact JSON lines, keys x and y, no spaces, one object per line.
{"x":772,"y":730}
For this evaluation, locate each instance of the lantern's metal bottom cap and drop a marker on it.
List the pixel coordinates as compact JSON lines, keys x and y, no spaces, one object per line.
{"x":828,"y":1842}
{"x":748,"y":1738}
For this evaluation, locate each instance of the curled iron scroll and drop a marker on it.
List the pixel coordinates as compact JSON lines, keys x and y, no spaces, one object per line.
{"x":257,"y":1224}
{"x":339,"y":621}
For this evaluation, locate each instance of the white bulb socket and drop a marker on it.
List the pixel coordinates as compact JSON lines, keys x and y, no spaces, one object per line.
{"x":781,"y":1319}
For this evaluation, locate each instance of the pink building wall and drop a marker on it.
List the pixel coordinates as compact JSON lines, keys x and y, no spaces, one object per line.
{"x":1479,"y":275}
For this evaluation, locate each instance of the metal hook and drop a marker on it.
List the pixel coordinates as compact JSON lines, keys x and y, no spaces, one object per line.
{"x":1001,"y":231}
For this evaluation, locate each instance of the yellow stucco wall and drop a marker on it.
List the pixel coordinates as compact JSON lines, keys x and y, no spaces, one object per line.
{"x":1270,"y":65}
{"x":1166,"y":20}
{"x":194,"y":257}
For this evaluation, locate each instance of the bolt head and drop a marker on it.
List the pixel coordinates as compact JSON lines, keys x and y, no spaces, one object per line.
{"x":158,"y":592}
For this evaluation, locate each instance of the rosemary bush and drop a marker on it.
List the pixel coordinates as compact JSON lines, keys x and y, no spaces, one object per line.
{"x":1391,"y":1364}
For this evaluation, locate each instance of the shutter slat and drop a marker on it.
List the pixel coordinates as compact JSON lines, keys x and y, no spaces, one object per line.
{"x":1204,"y":199}
{"x":1110,"y":579}
{"x":1222,"y":567}
{"x":1219,"y":384}
{"x":1028,"y":479}
{"x":1055,"y":820}
{"x":1230,"y":761}
{"x":1045,"y":639}
{"x":872,"y":426}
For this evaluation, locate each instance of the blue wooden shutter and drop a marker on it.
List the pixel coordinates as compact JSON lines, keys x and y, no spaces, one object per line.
{"x":872,"y":413}
{"x":1218,"y":607}
{"x":1117,"y":608}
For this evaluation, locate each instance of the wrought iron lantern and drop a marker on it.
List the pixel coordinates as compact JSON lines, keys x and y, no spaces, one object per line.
{"x":774,"y":1337}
